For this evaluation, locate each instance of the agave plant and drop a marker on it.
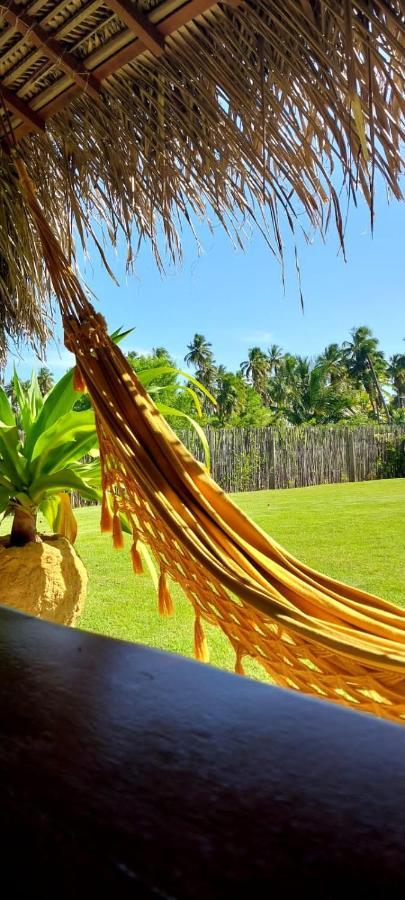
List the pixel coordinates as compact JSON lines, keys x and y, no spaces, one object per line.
{"x":41,"y":445}
{"x":43,"y":441}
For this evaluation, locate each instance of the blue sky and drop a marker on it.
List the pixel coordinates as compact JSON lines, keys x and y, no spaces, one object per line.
{"x":236,"y":297}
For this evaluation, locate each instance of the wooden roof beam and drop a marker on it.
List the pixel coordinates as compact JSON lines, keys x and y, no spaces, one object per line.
{"x":139,"y":25}
{"x":51,"y":48}
{"x":188,"y":12}
{"x":175,"y":20}
{"x":21,"y":109}
{"x":127,"y":54}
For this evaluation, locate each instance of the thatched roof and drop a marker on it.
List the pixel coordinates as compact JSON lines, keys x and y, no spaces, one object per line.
{"x":136,"y":114}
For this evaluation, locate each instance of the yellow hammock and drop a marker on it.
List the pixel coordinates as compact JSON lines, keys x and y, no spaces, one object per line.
{"x":309,"y":632}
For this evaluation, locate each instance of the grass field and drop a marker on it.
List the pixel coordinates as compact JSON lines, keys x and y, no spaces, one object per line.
{"x":355,"y":532}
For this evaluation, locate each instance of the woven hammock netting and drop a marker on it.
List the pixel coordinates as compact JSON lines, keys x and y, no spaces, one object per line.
{"x":309,"y":632}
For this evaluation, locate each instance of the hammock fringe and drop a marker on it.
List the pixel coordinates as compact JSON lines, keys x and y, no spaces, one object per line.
{"x":239,"y":670}
{"x":137,"y":564}
{"x":106,"y":519}
{"x":79,"y":384}
{"x":118,"y":537}
{"x":166,"y":607}
{"x":201,"y":651}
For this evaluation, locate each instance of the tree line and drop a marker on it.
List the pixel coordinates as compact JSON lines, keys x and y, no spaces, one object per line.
{"x":349,"y":383}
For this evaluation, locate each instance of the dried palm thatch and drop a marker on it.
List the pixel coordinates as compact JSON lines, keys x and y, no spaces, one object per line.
{"x":134,"y":117}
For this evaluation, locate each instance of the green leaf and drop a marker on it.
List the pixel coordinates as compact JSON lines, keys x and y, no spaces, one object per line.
{"x":184,"y":389}
{"x":24,"y":411}
{"x":90,"y":472}
{"x":4,"y":499}
{"x":49,"y":508}
{"x":144,"y":551}
{"x":58,"y":402}
{"x":64,"y":480}
{"x":147,"y":375}
{"x":125,"y":524}
{"x":34,"y":397}
{"x":13,"y":465}
{"x":6,"y":411}
{"x":169,"y":411}
{"x":119,"y":335}
{"x":24,"y":499}
{"x":72,"y":426}
{"x":63,"y":457}
{"x":66,"y":455}
{"x":175,"y":390}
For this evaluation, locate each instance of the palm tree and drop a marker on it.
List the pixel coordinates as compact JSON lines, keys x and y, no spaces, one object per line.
{"x":333,"y":362}
{"x":396,"y":371}
{"x":208,"y":376}
{"x":160,"y":351}
{"x":275,"y":357}
{"x":201,"y":357}
{"x":282,"y":385}
{"x":199,"y":352}
{"x":302,"y":393}
{"x":227,"y":397}
{"x":45,"y":380}
{"x":366,"y":365}
{"x":222,"y":372}
{"x":255,"y":369}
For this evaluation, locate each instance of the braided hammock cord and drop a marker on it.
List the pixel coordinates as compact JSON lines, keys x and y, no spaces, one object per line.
{"x":309,"y":632}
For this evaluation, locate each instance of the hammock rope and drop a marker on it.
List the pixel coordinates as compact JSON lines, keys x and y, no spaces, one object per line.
{"x":308,"y":631}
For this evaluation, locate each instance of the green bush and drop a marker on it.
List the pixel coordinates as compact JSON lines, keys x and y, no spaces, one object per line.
{"x":392,"y":464}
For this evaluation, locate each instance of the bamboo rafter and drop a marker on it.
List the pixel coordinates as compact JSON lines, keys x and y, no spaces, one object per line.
{"x":139,"y":24}
{"x":49,"y":47}
{"x":30,"y":118}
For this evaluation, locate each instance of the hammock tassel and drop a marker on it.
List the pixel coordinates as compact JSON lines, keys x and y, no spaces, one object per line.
{"x":106,"y":522}
{"x":239,"y":670}
{"x":79,"y":383}
{"x":118,"y":537}
{"x":136,"y":558}
{"x":201,"y":651}
{"x":166,"y":607}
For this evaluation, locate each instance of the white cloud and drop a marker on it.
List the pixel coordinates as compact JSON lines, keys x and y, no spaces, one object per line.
{"x":256,"y":337}
{"x":140,"y":351}
{"x":55,"y":360}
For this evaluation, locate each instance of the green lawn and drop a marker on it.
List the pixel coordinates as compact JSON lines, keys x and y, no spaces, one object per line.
{"x":355,"y":532}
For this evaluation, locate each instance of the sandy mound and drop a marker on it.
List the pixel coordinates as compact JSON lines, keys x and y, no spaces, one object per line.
{"x":47,"y":580}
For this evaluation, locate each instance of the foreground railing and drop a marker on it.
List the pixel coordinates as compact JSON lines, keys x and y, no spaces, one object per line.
{"x":130,"y":773}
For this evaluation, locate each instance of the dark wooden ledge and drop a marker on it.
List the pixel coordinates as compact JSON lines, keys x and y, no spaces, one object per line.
{"x":130,"y":773}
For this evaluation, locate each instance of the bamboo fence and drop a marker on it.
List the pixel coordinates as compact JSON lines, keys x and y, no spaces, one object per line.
{"x":261,"y":458}
{"x":255,"y":459}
